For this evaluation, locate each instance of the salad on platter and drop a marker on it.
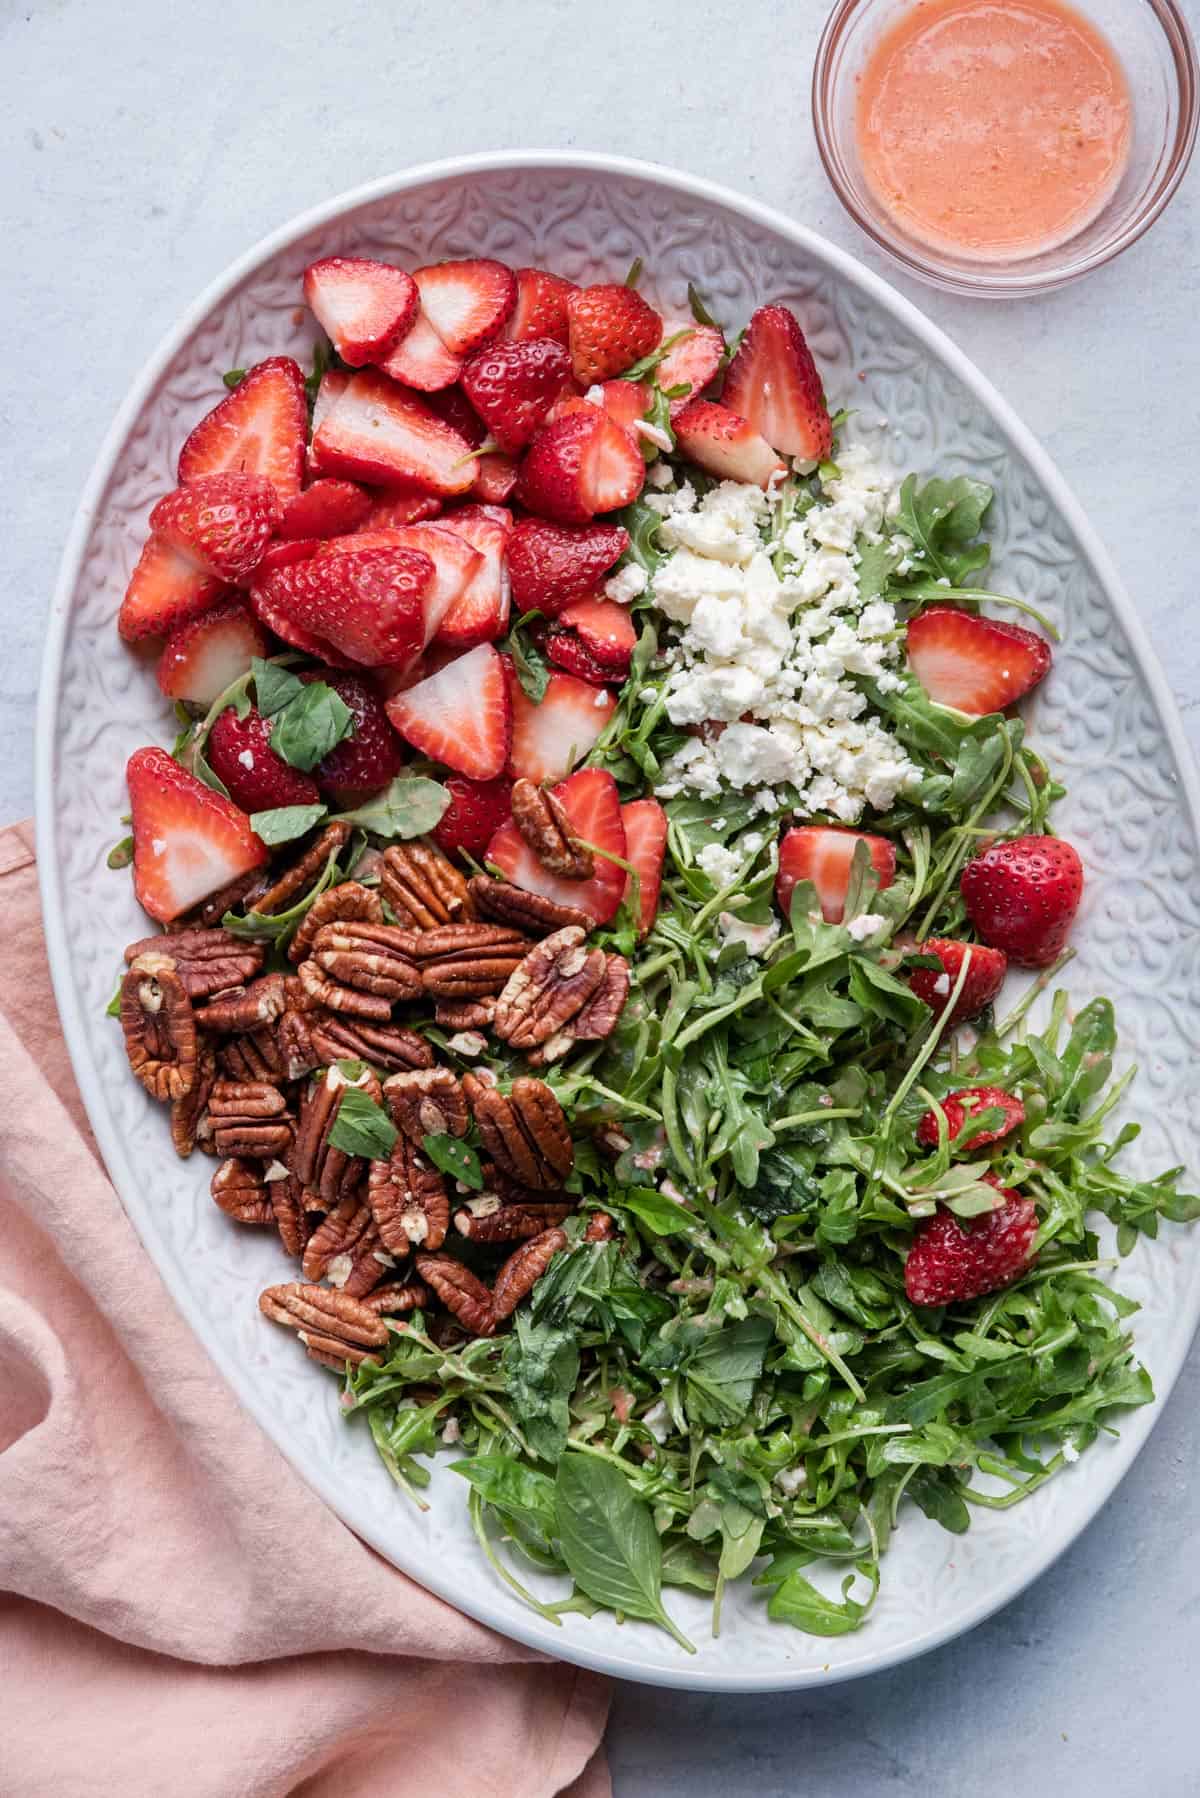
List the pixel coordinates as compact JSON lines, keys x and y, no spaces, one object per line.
{"x":599,"y":833}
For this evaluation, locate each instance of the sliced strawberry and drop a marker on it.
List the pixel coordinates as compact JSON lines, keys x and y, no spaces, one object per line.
{"x":333,"y":385}
{"x":953,"y":1260}
{"x":371,"y":756}
{"x":166,"y":589}
{"x":462,"y":715}
{"x":480,"y":614}
{"x":240,"y":754}
{"x":364,"y":307}
{"x":187,"y":840}
{"x":645,"y":847}
{"x":541,"y":307}
{"x":724,"y":443}
{"x":455,"y":560}
{"x":421,"y":359}
{"x":824,"y":853}
{"x":773,"y":382}
{"x":452,"y":405}
{"x":327,"y":509}
{"x":581,"y":465}
{"x":222,"y":521}
{"x":495,"y":475}
{"x":592,"y":804}
{"x":626,"y":403}
{"x":977,"y":665}
{"x":495,"y":478}
{"x":549,"y":738}
{"x":985,"y":976}
{"x":467,"y":303}
{"x":1022,"y":897}
{"x":569,"y":652}
{"x":604,"y":628}
{"x":476,"y":811}
{"x":692,"y":363}
{"x":611,"y":327}
{"x":512,"y":386}
{"x":378,"y":432}
{"x":268,"y":607}
{"x":259,"y":428}
{"x":552,"y":564}
{"x":571,"y":399}
{"x":369,"y":603}
{"x":394,"y":507}
{"x":203,"y":657}
{"x":963,"y":1104}
{"x":284,"y":555}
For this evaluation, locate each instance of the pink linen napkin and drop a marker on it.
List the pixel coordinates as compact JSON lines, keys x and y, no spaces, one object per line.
{"x":178,"y":1612}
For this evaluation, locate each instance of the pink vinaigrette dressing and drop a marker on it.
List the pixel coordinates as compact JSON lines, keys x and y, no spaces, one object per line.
{"x":993,"y":128}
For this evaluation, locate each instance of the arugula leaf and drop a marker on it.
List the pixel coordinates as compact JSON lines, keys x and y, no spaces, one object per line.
{"x":408,"y":807}
{"x":450,"y":1155}
{"x":609,"y":1541}
{"x":797,"y":1601}
{"x":362,"y":1127}
{"x":942,"y":519}
{"x":515,"y":1490}
{"x":120,"y":855}
{"x":700,"y":311}
{"x":541,"y":1365}
{"x":285,"y":822}
{"x":233,"y":377}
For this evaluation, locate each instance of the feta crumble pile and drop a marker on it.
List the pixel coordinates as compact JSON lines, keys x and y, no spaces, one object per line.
{"x":776,"y":647}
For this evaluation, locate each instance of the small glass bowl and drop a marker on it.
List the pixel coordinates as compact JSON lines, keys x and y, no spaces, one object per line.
{"x":1155,"y":47}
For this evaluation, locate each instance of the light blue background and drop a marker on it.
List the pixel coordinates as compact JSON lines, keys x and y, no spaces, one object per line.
{"x":147,"y":143}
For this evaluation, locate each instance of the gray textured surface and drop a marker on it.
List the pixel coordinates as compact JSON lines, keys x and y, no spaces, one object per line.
{"x":144,"y":149}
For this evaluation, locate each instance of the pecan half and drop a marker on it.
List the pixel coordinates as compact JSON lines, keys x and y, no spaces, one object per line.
{"x":207,"y":961}
{"x":249,"y":1118}
{"x":465,"y":1296}
{"x":239,"y":1190}
{"x":246,"y":1008}
{"x":367,"y":958}
{"x":327,"y":1172}
{"x":299,"y":1053}
{"x":600,"y":1228}
{"x":549,"y":988}
{"x":354,"y":1039}
{"x":545,"y":826}
{"x":258,"y":1056}
{"x":512,"y":1223}
{"x":334,"y":1328}
{"x":423,"y":887}
{"x":301,"y":875}
{"x":526,"y":911}
{"x":427,"y":1102}
{"x":525,"y":1133}
{"x":210,"y":911}
{"x":393,"y":1299}
{"x":324,"y":991}
{"x":287,"y":1205}
{"x":159,"y":1027}
{"x":599,"y":1016}
{"x":466,"y":961}
{"x":187,"y":1112}
{"x":342,"y":1248}
{"x":465,"y":1014}
{"x":408,"y":1200}
{"x":523,"y":1269}
{"x":341,"y":904}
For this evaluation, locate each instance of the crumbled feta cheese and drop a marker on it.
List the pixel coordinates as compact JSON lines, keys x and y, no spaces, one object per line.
{"x":756,"y":937}
{"x":869,"y":924}
{"x":246,"y":758}
{"x":791,"y":1480}
{"x":659,"y":474}
{"x":653,"y":434}
{"x":718,"y":864}
{"x":627,"y":584}
{"x":941,"y":986}
{"x":658,"y":1421}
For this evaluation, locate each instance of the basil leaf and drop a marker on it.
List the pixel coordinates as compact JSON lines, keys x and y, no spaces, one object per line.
{"x":362,"y":1127}
{"x":661,"y":1215}
{"x":456,"y":1158}
{"x":408,"y":807}
{"x":285,"y":822}
{"x":120,"y":855}
{"x":609,"y":1541}
{"x":533,"y":670}
{"x":274,"y":687}
{"x":514,"y":1490}
{"x":309,"y":727}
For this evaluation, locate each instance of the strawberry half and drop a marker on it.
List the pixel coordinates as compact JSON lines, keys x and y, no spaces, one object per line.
{"x":578,"y":466}
{"x":203,"y":657}
{"x":626,"y":403}
{"x":977,"y":665}
{"x":394,"y":507}
{"x":268,"y":607}
{"x":773,"y":382}
{"x":495,"y":478}
{"x":368,"y":759}
{"x":368,"y":603}
{"x":724,"y":443}
{"x":188,"y":841}
{"x":364,"y":307}
{"x":645,"y":846}
{"x":1022,"y":897}
{"x":824,"y":853}
{"x":692,"y":363}
{"x":334,"y":383}
{"x":552,"y":564}
{"x":222,"y":521}
{"x":512,"y":386}
{"x":326,"y":509}
{"x":259,"y":428}
{"x":568,"y":652}
{"x":462,"y":715}
{"x":240,"y":754}
{"x":610,"y":327}
{"x":421,"y":359}
{"x":592,"y":804}
{"x":476,"y":811}
{"x":455,"y":563}
{"x":959,"y":1106}
{"x":495,"y":474}
{"x":468,"y":302}
{"x":541,"y":306}
{"x":985,"y":976}
{"x":480,"y":613}
{"x":165,"y":590}
{"x":953,"y":1260}
{"x":606,"y":631}
{"x":378,"y":432}
{"x":550,"y":737}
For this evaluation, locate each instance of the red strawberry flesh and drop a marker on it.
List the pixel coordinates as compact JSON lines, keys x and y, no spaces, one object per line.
{"x":512,"y":386}
{"x":645,"y":846}
{"x":977,"y":665}
{"x":985,"y":977}
{"x":549,"y":737}
{"x":593,"y":807}
{"x":462,"y":715}
{"x":965,"y":1103}
{"x":259,"y":428}
{"x":369,"y":603}
{"x":188,"y":841}
{"x":824,"y":854}
{"x":224,"y":522}
{"x":379,"y":432}
{"x":365,"y":761}
{"x":611,"y":327}
{"x":773,"y":382}
{"x":952,"y":1261}
{"x":725,"y":444}
{"x":552,"y":564}
{"x":203,"y":657}
{"x":240,"y":754}
{"x":364,"y":307}
{"x":476,"y":811}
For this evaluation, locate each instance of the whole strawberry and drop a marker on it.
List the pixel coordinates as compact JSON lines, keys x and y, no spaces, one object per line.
{"x":952,"y":1260}
{"x":371,"y":756}
{"x":240,"y":755}
{"x":965,"y":1103}
{"x":476,"y":811}
{"x":1022,"y":897}
{"x":512,"y":386}
{"x":611,"y":327}
{"x":222,"y":521}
